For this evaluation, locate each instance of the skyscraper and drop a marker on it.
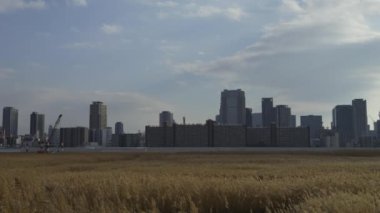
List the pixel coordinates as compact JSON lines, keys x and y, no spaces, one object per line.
{"x":343,"y":124}
{"x":282,"y":115}
{"x":119,"y":128}
{"x":232,"y":107}
{"x":10,"y":122}
{"x":267,"y":112}
{"x":293,"y":121}
{"x":359,"y":115}
{"x":166,"y":118}
{"x":248,"y":117}
{"x":37,"y":124}
{"x":257,"y":120}
{"x":314,"y":122}
{"x":98,"y":115}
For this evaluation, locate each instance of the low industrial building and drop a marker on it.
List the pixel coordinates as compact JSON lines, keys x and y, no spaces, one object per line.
{"x":74,"y":137}
{"x":211,"y":135}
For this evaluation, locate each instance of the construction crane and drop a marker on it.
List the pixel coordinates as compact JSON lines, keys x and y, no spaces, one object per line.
{"x":44,"y":146}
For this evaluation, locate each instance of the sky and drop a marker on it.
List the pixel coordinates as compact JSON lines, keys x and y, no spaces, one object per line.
{"x":141,"y":57}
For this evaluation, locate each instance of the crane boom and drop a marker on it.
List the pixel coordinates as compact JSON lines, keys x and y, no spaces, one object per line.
{"x":51,"y":135}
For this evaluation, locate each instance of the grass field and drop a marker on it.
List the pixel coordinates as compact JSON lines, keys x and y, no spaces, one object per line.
{"x":191,"y":182}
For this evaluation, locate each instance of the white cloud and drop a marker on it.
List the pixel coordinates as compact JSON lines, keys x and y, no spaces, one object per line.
{"x":320,"y":51}
{"x":194,"y":9}
{"x":232,"y":12}
{"x":79,"y":2}
{"x":10,"y":5}
{"x":82,"y":45}
{"x":111,"y":29}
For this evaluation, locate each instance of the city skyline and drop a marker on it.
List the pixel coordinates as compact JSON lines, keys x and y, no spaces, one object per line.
{"x":282,"y":116}
{"x":142,"y":57}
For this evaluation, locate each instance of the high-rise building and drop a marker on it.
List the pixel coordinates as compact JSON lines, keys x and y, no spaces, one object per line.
{"x":10,"y":122}
{"x":267,"y":112}
{"x":37,"y":124}
{"x":166,"y":118}
{"x":293,"y":121}
{"x":232,"y":107}
{"x":343,"y":124}
{"x":282,"y":115}
{"x":119,"y":128}
{"x":377,"y":128}
{"x":257,"y":120}
{"x":98,"y":115}
{"x":359,"y":115}
{"x":248,"y":117}
{"x":314,"y":122}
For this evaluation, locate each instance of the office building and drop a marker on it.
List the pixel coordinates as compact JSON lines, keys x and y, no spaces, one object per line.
{"x":377,"y":128}
{"x":343,"y":123}
{"x":314,"y":122}
{"x":37,"y":125}
{"x":293,"y":121}
{"x":232,"y":107}
{"x":10,"y":122}
{"x":119,"y":128}
{"x":282,"y":116}
{"x":359,"y":115}
{"x":257,"y":120}
{"x":267,"y":111}
{"x":98,"y":115}
{"x":166,"y":118}
{"x":248,"y":117}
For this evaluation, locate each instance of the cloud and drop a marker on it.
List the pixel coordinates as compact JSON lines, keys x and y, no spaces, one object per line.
{"x":11,"y":5}
{"x":194,"y":9}
{"x":82,"y":45}
{"x":5,"y":73}
{"x":111,"y":29}
{"x":320,"y":51}
{"x":79,"y":2}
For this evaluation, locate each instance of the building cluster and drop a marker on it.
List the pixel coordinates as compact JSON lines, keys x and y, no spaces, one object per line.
{"x":97,"y":134}
{"x":235,"y":126}
{"x":277,"y":124}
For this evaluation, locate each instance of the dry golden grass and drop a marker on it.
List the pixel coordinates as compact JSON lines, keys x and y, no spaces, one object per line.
{"x":190,"y":182}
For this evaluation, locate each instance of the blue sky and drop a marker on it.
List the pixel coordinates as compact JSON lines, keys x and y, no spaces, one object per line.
{"x":141,"y":57}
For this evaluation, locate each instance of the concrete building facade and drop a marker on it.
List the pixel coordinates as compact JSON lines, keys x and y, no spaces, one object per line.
{"x":98,"y":115}
{"x":37,"y":125}
{"x":232,"y":107}
{"x":119,"y":128}
{"x":314,"y":122}
{"x":257,"y":120}
{"x":211,"y":135}
{"x":74,"y":137}
{"x":360,"y":120}
{"x":248,"y":117}
{"x":10,"y":122}
{"x":283,"y":116}
{"x":343,"y":124}
{"x":267,"y":112}
{"x":166,"y":118}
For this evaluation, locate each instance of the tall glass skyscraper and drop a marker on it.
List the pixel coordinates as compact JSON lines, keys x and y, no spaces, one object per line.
{"x":98,"y":115}
{"x":232,"y":107}
{"x":10,"y":121}
{"x":267,"y":112}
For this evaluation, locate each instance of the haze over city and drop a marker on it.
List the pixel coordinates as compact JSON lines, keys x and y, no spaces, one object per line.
{"x":141,"y":57}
